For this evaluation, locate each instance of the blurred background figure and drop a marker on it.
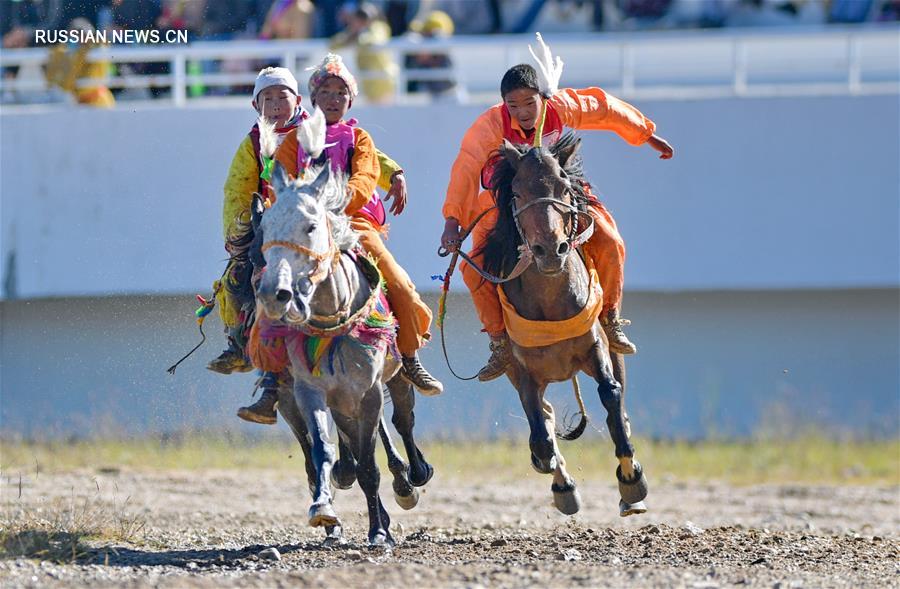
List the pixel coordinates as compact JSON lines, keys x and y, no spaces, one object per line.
{"x":289,"y":19}
{"x":368,"y":33}
{"x":436,"y":25}
{"x":67,"y":65}
{"x":138,"y":15}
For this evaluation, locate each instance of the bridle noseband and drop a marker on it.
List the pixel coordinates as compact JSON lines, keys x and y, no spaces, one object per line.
{"x":573,"y":239}
{"x":322,"y":270}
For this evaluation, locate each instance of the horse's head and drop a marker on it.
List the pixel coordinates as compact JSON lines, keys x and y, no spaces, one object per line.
{"x":540,"y":194}
{"x":303,"y":233}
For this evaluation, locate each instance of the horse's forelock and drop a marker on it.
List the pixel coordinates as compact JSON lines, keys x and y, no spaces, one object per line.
{"x":330,"y":192}
{"x":501,"y":248}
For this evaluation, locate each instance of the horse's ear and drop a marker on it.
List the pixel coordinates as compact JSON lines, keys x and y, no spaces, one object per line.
{"x":317,"y":186}
{"x":279,"y":177}
{"x":510,"y":153}
{"x":567,"y":152}
{"x":256,"y":211}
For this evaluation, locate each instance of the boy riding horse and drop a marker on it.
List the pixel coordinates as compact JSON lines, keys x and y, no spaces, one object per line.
{"x":531,"y":106}
{"x":276,"y":99}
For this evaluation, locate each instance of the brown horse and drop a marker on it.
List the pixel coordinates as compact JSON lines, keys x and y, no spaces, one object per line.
{"x":541,"y":198}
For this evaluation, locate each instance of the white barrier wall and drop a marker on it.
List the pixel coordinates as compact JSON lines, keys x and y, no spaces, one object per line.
{"x":763,"y":194}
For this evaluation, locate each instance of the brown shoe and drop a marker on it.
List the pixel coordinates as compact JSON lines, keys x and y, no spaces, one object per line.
{"x":618,"y":341}
{"x":231,"y":360}
{"x":263,"y":410}
{"x":499,"y":360}
{"x":415,"y":374}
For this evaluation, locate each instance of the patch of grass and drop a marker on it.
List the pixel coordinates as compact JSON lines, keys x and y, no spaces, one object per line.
{"x":58,"y":531}
{"x":810,"y":458}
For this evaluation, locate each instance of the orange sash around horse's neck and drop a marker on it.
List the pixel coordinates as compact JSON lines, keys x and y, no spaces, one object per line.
{"x":533,"y":334}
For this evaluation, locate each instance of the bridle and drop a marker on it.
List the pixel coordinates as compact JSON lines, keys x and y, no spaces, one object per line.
{"x":574,"y":239}
{"x":322,"y":270}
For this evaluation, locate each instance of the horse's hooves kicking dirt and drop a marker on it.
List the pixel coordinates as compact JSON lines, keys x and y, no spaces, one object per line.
{"x":323,"y":515}
{"x":626,"y":509}
{"x":635,"y":489}
{"x":566,"y":499}
{"x":408,"y":501}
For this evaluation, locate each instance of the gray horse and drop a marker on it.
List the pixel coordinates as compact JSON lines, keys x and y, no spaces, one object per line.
{"x":311,"y":286}
{"x":540,"y":198}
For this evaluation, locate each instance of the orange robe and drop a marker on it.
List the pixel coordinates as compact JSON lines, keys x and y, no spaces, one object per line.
{"x":413,"y":315}
{"x":586,"y":109}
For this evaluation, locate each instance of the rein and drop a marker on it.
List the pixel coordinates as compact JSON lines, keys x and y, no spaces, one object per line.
{"x":525,"y":259}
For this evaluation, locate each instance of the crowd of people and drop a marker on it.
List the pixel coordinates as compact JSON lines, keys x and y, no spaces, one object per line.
{"x":297,"y":19}
{"x":364,"y":28}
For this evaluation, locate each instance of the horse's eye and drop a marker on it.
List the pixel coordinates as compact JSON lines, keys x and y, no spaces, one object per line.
{"x":312,"y":227}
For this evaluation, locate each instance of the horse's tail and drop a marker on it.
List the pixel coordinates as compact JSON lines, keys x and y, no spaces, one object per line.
{"x":575,"y":432}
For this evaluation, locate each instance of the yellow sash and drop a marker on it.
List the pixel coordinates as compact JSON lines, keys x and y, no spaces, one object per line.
{"x":533,"y":334}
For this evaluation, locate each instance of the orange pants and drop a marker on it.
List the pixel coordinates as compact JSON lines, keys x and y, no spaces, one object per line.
{"x":605,"y":248}
{"x":413,"y":315}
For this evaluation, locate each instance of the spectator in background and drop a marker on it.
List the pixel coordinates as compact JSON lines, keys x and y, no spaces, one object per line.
{"x":289,"y":19}
{"x":436,"y":25}
{"x":850,"y":11}
{"x":644,"y":14}
{"x":328,"y":12}
{"x":398,"y":13}
{"x":138,"y":15}
{"x":135,"y":14}
{"x":368,"y":34}
{"x":67,"y":66}
{"x":184,"y":15}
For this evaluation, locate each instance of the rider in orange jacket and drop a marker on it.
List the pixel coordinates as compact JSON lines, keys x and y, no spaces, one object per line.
{"x":529,"y":103}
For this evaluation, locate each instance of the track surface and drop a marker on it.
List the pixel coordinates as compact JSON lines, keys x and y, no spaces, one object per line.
{"x":206,"y":529}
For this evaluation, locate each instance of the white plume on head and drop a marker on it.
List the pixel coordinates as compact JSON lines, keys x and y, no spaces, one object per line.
{"x":268,"y":142}
{"x":311,"y":133}
{"x":549,"y":69}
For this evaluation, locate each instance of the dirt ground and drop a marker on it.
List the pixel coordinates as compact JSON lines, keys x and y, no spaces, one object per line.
{"x":207,"y":529}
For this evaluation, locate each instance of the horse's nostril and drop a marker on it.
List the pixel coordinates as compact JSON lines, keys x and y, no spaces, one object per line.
{"x":539,"y":250}
{"x":283,"y":295}
{"x":563,"y":248}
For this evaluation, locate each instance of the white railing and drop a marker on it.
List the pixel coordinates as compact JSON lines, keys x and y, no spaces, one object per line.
{"x":841,"y":60}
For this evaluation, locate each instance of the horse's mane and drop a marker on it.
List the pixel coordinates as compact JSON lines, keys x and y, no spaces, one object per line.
{"x":335,"y":202}
{"x":501,"y":250}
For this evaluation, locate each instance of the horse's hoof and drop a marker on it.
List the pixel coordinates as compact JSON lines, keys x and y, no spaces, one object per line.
{"x":333,"y":536}
{"x":323,"y":515}
{"x":566,"y":499}
{"x":420,"y":475}
{"x":635,"y":489}
{"x":381,"y":539}
{"x":543,"y":466}
{"x":343,"y":474}
{"x":626,"y":509}
{"x":407,"y":502}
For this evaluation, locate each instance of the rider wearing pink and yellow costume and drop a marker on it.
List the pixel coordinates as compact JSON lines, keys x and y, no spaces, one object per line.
{"x":516,"y":120}
{"x":276,"y":98}
{"x":350,"y":149}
